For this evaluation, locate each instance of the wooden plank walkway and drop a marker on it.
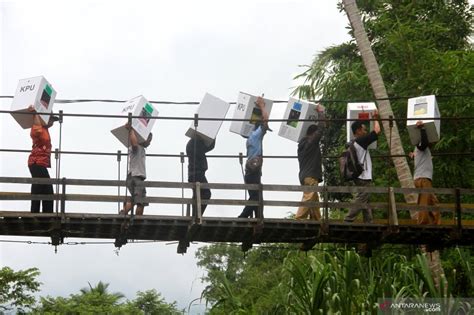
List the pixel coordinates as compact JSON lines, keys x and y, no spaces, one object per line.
{"x":213,"y":229}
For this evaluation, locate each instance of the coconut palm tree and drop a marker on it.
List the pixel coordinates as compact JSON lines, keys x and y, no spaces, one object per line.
{"x":393,"y":137}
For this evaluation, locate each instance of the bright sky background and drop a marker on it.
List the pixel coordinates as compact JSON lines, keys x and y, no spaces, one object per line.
{"x":164,"y":50}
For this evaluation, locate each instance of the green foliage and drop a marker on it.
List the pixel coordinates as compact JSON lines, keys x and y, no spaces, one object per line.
{"x":329,"y":280}
{"x":97,"y":300}
{"x":16,"y":288}
{"x":422,"y":48}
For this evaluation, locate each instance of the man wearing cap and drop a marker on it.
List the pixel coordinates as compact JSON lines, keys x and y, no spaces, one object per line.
{"x":40,"y":160}
{"x":253,"y":166}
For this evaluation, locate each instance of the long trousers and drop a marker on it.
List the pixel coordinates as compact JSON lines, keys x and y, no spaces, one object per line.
{"x":38,"y":171}
{"x":254,"y":178}
{"x":205,"y":193}
{"x":312,"y":212}
{"x":360,"y":197}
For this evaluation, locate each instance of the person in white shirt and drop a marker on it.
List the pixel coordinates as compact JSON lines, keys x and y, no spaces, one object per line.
{"x":361,"y":143}
{"x":423,"y":177}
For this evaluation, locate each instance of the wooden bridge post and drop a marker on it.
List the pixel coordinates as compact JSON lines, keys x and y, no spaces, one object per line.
{"x":63,"y":198}
{"x":198,"y":213}
{"x":392,"y":208}
{"x":457,"y":192}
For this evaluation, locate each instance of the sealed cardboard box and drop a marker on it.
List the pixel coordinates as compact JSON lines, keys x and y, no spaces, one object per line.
{"x":210,"y":107}
{"x":296,"y":110}
{"x":248,"y":110}
{"x":360,"y":111}
{"x":423,"y":108}
{"x":138,"y":106}
{"x":35,"y":91}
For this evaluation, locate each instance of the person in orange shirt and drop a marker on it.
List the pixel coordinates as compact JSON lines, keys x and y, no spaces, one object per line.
{"x":40,"y":160}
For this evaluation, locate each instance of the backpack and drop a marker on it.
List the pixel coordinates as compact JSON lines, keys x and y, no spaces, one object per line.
{"x":349,"y":165}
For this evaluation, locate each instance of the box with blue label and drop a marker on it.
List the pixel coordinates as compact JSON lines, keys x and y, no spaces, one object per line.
{"x":424,"y":108}
{"x":138,"y":106}
{"x":210,"y":107}
{"x":247,"y":110}
{"x":362,"y":112}
{"x":35,"y":91}
{"x":297,"y":110}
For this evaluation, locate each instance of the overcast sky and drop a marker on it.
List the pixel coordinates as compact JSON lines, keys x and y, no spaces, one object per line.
{"x":166,"y":50}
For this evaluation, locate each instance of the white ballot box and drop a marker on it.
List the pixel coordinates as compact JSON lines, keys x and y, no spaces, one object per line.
{"x":33,"y":91}
{"x":423,"y":108}
{"x":360,"y":111}
{"x":293,"y":129}
{"x":210,"y":107}
{"x":138,"y":106}
{"x":248,"y":110}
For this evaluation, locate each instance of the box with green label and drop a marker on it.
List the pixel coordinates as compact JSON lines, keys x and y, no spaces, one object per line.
{"x":250,"y":114}
{"x":297,"y":110}
{"x":36,"y":91}
{"x":143,"y":122}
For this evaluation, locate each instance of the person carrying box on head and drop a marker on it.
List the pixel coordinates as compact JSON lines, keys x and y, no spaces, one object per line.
{"x":361,"y":143}
{"x":253,"y":166}
{"x":196,"y":150}
{"x":40,"y":160}
{"x":309,"y":160}
{"x":136,"y":171}
{"x":423,"y":176}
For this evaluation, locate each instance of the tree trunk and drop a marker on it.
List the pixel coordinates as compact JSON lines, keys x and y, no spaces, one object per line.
{"x":385,"y":110}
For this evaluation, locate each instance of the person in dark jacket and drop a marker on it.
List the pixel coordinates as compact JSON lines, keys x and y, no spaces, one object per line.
{"x":196,"y":150}
{"x":309,"y":159}
{"x":40,"y":160}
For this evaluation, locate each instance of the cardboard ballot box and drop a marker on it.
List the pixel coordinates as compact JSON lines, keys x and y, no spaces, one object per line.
{"x":248,"y":110}
{"x":360,"y":111}
{"x":423,"y":108}
{"x":210,"y":107}
{"x":293,"y":129}
{"x":138,"y":106}
{"x":33,"y":91}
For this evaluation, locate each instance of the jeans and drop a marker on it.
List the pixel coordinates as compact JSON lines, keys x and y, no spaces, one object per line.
{"x":249,"y":178}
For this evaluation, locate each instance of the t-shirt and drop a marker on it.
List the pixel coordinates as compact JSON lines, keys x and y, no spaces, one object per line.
{"x":136,"y":161}
{"x":309,"y":157}
{"x":423,"y":160}
{"x":363,"y":155}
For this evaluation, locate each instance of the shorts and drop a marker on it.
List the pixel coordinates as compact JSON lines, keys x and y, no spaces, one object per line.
{"x":136,"y":192}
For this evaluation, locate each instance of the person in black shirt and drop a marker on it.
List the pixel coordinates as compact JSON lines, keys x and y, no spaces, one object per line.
{"x":196,"y":150}
{"x":309,"y":159}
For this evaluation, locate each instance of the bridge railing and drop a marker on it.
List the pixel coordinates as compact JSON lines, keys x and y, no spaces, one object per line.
{"x":390,"y":206}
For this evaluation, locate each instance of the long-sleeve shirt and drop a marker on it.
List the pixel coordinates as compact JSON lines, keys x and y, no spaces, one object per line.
{"x":254,"y":142}
{"x":361,"y":145}
{"x":196,"y":150}
{"x":41,"y":149}
{"x":423,"y":161}
{"x":309,"y":157}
